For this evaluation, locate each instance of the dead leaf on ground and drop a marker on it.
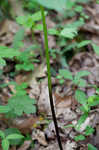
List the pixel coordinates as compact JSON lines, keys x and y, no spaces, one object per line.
{"x":40,"y":136}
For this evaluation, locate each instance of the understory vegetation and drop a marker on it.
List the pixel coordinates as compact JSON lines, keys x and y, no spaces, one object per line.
{"x":57,"y":40}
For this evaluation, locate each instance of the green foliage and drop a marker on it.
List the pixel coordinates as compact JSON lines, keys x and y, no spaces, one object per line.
{"x":17,"y":41}
{"x":89,"y":130}
{"x":11,"y":131}
{"x":6,"y":139}
{"x":91,"y":147}
{"x":80,"y":97}
{"x":6,"y":52}
{"x":69,"y":32}
{"x":79,"y":138}
{"x":29,"y":21}
{"x":95,"y":48}
{"x":76,"y":80}
{"x":58,"y":5}
{"x":20,"y":102}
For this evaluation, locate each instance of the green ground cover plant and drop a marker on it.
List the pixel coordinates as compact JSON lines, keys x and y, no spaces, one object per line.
{"x":16,"y":106}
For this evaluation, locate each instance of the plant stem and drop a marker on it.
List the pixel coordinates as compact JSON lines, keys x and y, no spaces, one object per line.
{"x":49,"y":77}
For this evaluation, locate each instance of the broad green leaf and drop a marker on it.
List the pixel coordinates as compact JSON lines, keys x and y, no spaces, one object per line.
{"x":95,"y":48}
{"x":81,"y":74}
{"x":19,"y":36}
{"x":91,"y":147}
{"x":79,"y":138}
{"x":81,"y":120}
{"x":14,"y":136}
{"x":11,"y":131}
{"x":58,"y":5}
{"x":5,"y":144}
{"x":81,"y":97}
{"x":65,"y":74}
{"x":83,"y":43}
{"x":2,"y":135}
{"x":6,"y":52}
{"x":68,"y":32}
{"x":4,"y":109}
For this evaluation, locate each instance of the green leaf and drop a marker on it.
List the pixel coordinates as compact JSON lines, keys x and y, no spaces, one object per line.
{"x":82,"y":83}
{"x":89,"y":130}
{"x":65,"y":74}
{"x":95,"y":48}
{"x":2,"y":62}
{"x":28,"y":21}
{"x":53,"y":31}
{"x":14,"y":136}
{"x":58,"y":5}
{"x":6,"y":52}
{"x":20,"y":104}
{"x":83,"y":43}
{"x":19,"y":36}
{"x":80,"y":96}
{"x":11,"y":131}
{"x":79,"y":138}
{"x":81,"y":74}
{"x":81,"y":120}
{"x":2,"y":135}
{"x":91,"y":147}
{"x":69,"y":32}
{"x":4,"y":109}
{"x":5,"y":144}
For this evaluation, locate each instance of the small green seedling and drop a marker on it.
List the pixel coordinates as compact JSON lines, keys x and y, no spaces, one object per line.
{"x":19,"y":103}
{"x":5,"y":140}
{"x":76,"y":80}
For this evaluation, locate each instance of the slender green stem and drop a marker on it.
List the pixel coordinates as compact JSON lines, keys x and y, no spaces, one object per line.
{"x":49,"y":77}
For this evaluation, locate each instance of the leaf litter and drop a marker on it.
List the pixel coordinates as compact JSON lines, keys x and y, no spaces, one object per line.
{"x":65,"y":104}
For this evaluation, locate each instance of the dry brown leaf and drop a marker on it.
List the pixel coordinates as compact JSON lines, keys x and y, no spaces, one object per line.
{"x":39,"y":135}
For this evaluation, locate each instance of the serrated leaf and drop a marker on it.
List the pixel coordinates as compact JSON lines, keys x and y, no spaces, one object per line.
{"x":69,"y":32}
{"x":14,"y":136}
{"x":4,"y":109}
{"x":81,"y":97}
{"x":95,"y":48}
{"x":79,"y":138}
{"x":91,"y":147}
{"x":20,"y":104}
{"x":83,"y":43}
{"x":65,"y":74}
{"x":58,"y":5}
{"x":5,"y":144}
